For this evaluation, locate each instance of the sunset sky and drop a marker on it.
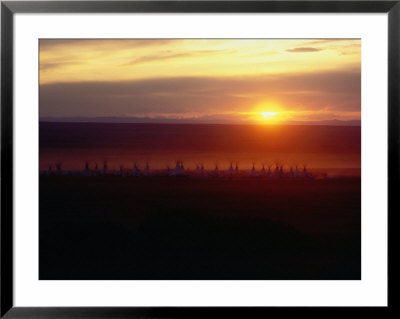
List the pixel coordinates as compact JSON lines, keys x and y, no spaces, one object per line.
{"x":205,"y":81}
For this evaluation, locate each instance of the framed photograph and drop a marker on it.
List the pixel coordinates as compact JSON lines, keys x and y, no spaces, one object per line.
{"x":196,"y":158}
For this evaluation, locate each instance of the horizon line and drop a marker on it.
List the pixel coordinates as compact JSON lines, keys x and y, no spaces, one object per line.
{"x":111,"y":120}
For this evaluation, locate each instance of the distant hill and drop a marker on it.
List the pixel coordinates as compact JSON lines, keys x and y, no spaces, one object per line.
{"x":201,"y":120}
{"x":327,"y":122}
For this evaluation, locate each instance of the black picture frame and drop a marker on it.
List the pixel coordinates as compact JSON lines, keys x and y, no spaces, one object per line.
{"x":9,"y":8}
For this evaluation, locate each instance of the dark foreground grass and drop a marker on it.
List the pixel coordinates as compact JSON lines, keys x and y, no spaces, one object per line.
{"x":166,"y":228}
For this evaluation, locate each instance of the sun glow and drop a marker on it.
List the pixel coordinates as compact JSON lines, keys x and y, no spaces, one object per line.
{"x":267,"y":115}
{"x":268,"y":112}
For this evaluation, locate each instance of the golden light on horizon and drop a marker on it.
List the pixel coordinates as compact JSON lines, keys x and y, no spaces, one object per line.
{"x":267,"y":115}
{"x":268,"y":112}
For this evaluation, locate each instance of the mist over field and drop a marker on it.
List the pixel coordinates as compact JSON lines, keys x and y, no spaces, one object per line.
{"x":331,"y":148}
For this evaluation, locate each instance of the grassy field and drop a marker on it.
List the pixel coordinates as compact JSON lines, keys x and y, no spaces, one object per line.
{"x":179,"y":228}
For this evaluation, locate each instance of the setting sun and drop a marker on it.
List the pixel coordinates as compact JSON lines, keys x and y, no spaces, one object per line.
{"x":267,"y":115}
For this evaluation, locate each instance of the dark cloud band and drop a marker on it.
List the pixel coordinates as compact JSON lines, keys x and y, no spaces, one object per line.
{"x":339,"y":91}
